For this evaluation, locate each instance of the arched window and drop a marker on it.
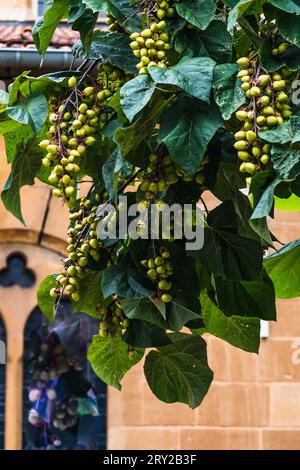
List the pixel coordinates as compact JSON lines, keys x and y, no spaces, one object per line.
{"x":90,"y":430}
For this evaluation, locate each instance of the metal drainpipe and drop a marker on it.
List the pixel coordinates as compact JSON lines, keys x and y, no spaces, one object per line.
{"x":31,"y":59}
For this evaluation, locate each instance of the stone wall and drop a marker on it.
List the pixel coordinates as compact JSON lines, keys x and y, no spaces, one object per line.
{"x":18,"y":10}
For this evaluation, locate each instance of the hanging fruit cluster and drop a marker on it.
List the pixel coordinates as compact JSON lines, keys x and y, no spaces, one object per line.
{"x":267,"y":107}
{"x":159,"y":270}
{"x":66,"y":413}
{"x":82,"y":245}
{"x":150,"y":46}
{"x":161,"y":173}
{"x":74,"y":126}
{"x":112,"y":319}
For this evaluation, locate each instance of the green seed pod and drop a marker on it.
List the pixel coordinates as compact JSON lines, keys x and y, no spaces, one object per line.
{"x":243,"y":62}
{"x":272,"y":121}
{"x":147,"y":33}
{"x":241,"y":115}
{"x":251,"y":136}
{"x":245,"y":86}
{"x":282,"y":97}
{"x":83,"y":108}
{"x":243,"y":155}
{"x":72,"y":82}
{"x":282,"y":48}
{"x":255,"y":91}
{"x":256,"y":151}
{"x":263,"y":80}
{"x":261,"y":120}
{"x":264,"y":159}
{"x":240,"y":135}
{"x":241,"y":145}
{"x":268,"y":111}
{"x":166,"y":298}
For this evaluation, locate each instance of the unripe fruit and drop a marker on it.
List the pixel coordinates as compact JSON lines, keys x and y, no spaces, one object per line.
{"x":283,"y":47}
{"x":268,"y":111}
{"x":282,"y":97}
{"x":69,"y":191}
{"x":275,"y":51}
{"x":72,"y":82}
{"x":53,"y":292}
{"x":44,"y":144}
{"x":279,"y":84}
{"x":83,"y":108}
{"x":240,"y":135}
{"x":134,"y":45}
{"x":249,"y":168}
{"x":243,"y":62}
{"x":83,"y":261}
{"x":255,"y":91}
{"x":57,"y":192}
{"x":140,"y":41}
{"x":264,"y":159}
{"x":245,"y":86}
{"x":243,"y":155}
{"x":90,"y":141}
{"x":52,"y":148}
{"x":251,"y":136}
{"x":286,"y":114}
{"x":53,"y":178}
{"x":46,"y":163}
{"x":261,"y":120}
{"x":150,"y":43}
{"x":166,"y":298}
{"x":272,"y":121}
{"x":241,"y":115}
{"x":266,"y":148}
{"x":256,"y":151}
{"x":264,"y":100}
{"x":199,"y":178}
{"x":247,"y":126}
{"x":161,"y":25}
{"x":245,"y":79}
{"x":263,"y":80}
{"x":133,"y":36}
{"x":241,"y":145}
{"x":147,"y":33}
{"x":242,"y":73}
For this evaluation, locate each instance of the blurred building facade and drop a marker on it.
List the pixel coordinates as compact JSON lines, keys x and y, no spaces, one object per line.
{"x":254,"y":402}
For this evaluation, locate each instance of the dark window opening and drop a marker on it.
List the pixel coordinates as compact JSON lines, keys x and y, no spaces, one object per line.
{"x":16,"y":272}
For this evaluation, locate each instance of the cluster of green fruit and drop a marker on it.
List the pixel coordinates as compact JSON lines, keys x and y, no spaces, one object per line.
{"x":49,"y":364}
{"x":82,"y":244}
{"x":150,"y":46}
{"x":112,"y":319}
{"x":113,"y":24}
{"x":159,"y":270}
{"x":110,"y":79}
{"x":66,"y":414}
{"x":72,"y":129}
{"x":161,"y":173}
{"x":165,"y":9}
{"x":267,"y":107}
{"x":280,"y":49}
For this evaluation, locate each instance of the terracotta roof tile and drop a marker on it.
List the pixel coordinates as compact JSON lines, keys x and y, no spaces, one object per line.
{"x":21,"y":36}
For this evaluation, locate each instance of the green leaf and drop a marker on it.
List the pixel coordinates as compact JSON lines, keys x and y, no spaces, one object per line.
{"x":247,"y":298}
{"x":243,"y":7}
{"x":197,"y":12}
{"x":265,"y":203}
{"x":225,"y":252}
{"x":32,"y":111}
{"x":283,"y":268}
{"x":87,"y":406}
{"x":286,"y":161}
{"x":109,"y":359}
{"x":256,"y":40}
{"x":186,"y":128}
{"x":46,"y":303}
{"x":130,"y":138}
{"x":8,"y":125}
{"x":15,"y":137}
{"x":191,"y":74}
{"x":113,"y":48}
{"x":111,"y":170}
{"x":85,"y":24}
{"x":95,"y":5}
{"x":25,"y":166}
{"x":136,"y":94}
{"x":125,"y":281}
{"x":90,"y":293}
{"x":290,"y":6}
{"x":215,"y":42}
{"x":144,"y":309}
{"x":125,"y":13}
{"x":179,"y":315}
{"x":179,"y":372}
{"x":242,"y":332}
{"x":288,"y":26}
{"x":228,"y":93}
{"x":290,"y":59}
{"x":44,"y":28}
{"x":142,"y":334}
{"x":283,"y":134}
